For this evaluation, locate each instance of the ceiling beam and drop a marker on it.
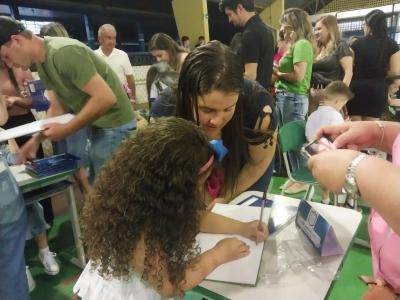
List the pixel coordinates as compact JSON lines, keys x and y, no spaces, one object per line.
{"x":82,"y":7}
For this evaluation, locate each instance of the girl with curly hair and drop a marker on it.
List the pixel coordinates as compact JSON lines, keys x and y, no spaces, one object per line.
{"x":140,"y":223}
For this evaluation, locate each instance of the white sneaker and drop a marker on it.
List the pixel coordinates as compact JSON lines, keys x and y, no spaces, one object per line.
{"x":31,"y":281}
{"x":49,"y":263}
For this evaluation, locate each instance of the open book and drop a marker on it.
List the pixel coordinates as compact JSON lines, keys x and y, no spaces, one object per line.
{"x":33,"y":127}
{"x":244,"y":270}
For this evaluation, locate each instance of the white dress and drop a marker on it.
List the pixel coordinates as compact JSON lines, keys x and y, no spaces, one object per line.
{"x":92,"y":286}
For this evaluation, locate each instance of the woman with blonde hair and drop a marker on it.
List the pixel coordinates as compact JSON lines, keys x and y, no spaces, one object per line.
{"x":165,"y":49}
{"x":334,"y":59}
{"x":294,"y":76}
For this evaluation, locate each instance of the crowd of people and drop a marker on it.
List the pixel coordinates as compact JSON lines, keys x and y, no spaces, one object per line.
{"x":214,"y":114}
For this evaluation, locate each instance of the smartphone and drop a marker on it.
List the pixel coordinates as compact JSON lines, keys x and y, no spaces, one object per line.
{"x":367,"y":279}
{"x":319,"y":145}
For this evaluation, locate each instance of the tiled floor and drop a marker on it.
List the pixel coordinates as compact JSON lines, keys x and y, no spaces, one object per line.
{"x":59,"y":287}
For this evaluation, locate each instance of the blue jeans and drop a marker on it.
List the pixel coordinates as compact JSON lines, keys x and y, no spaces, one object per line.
{"x":292,"y":107}
{"x":75,"y":144}
{"x":36,"y":222}
{"x":13,"y":283}
{"x":103,"y":142}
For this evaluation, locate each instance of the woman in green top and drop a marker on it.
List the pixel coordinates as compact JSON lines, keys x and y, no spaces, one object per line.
{"x":294,"y":75}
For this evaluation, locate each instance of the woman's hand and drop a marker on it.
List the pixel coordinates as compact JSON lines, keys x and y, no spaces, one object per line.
{"x":10,"y":101}
{"x":353,"y":135}
{"x":379,"y":291}
{"x":276,"y":72}
{"x":254,"y":232}
{"x":230,"y":249}
{"x":329,"y":167}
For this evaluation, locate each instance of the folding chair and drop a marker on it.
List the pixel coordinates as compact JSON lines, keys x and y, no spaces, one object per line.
{"x":292,"y":137}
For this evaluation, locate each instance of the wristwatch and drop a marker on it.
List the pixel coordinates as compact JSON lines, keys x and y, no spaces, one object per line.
{"x":350,"y":184}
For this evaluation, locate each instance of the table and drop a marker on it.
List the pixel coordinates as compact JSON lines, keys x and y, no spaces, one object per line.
{"x":290,"y":269}
{"x":36,"y":189}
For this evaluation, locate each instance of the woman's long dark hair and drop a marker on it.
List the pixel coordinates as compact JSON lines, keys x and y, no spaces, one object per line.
{"x":376,"y":20}
{"x":212,"y":67}
{"x":13,"y":80}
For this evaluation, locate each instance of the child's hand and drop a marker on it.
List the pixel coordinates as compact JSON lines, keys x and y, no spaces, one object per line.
{"x":252,"y":231}
{"x":230,"y":249}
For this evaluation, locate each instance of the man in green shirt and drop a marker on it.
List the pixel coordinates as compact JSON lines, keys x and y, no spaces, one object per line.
{"x":76,"y":79}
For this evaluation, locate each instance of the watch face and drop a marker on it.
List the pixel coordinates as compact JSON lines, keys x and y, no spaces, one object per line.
{"x":350,"y":185}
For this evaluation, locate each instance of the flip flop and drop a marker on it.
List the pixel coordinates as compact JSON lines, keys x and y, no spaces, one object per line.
{"x":291,"y":190}
{"x":287,"y":184}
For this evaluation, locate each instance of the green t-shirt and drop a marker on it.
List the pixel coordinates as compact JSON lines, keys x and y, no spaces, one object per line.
{"x":302,"y":52}
{"x":68,"y":67}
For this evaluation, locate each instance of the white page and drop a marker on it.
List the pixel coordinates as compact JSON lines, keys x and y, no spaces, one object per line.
{"x":33,"y":127}
{"x":20,"y":174}
{"x":244,"y":270}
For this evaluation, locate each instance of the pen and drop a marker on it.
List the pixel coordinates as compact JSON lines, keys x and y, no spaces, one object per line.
{"x":263,"y":200}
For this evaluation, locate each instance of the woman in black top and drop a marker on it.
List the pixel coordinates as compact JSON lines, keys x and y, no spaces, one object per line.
{"x":376,"y":57}
{"x":334,"y":59}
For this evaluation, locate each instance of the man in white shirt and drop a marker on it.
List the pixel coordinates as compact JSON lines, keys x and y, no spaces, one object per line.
{"x":117,"y":59}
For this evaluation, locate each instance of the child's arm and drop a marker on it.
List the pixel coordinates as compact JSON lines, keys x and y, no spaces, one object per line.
{"x":224,"y":251}
{"x":3,"y":111}
{"x":393,"y":101}
{"x":214,"y":223}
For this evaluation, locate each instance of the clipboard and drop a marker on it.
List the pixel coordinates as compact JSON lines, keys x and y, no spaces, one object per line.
{"x":244,"y":270}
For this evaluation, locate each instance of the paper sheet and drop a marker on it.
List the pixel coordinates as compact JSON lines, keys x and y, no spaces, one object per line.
{"x":33,"y":127}
{"x":20,"y":174}
{"x":244,"y":270}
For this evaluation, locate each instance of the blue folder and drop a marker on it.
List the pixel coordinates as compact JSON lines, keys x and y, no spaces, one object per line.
{"x":52,"y":165}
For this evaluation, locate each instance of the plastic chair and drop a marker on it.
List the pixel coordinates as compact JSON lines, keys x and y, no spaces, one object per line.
{"x":292,"y":137}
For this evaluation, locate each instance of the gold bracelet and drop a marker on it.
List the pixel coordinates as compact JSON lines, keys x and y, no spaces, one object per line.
{"x":382,"y":128}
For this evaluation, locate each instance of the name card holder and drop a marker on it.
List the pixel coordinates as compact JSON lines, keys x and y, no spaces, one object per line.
{"x":317,"y":230}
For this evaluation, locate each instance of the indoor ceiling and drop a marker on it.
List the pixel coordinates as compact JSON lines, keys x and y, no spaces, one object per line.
{"x":151,"y":7}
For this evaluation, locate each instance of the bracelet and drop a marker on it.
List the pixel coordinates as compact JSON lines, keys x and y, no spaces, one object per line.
{"x":382,"y":128}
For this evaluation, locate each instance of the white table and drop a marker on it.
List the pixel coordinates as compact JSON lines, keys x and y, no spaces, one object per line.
{"x":290,"y":269}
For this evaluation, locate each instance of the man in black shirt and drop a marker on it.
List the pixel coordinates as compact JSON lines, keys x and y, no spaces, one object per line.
{"x":257,"y":45}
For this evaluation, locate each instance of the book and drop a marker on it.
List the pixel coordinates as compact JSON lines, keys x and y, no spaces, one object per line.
{"x":52,"y":165}
{"x":244,"y":270}
{"x":33,"y":127}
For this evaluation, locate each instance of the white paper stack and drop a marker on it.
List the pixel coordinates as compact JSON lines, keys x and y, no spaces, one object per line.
{"x":33,"y":127}
{"x":244,"y":270}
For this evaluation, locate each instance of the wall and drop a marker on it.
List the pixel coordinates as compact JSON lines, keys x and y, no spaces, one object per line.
{"x":191,"y":18}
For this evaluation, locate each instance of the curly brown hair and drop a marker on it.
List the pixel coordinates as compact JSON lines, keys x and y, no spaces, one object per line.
{"x":149,"y":188}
